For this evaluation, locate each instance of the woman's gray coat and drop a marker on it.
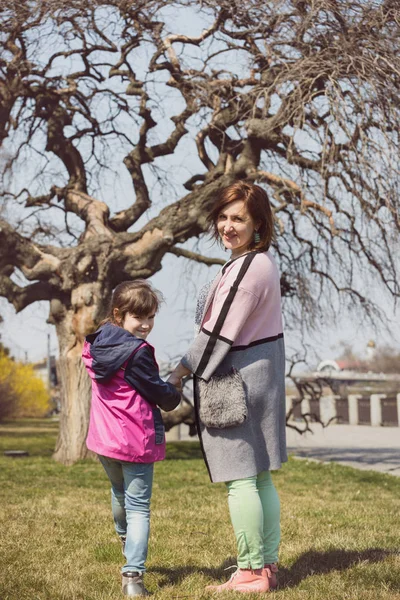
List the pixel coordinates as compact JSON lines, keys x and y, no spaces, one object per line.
{"x":251,"y":341}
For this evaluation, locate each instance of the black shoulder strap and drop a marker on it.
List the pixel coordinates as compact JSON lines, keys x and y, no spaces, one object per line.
{"x":224,"y":311}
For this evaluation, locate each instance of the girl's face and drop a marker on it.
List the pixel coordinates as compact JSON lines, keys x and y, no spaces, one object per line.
{"x":236,"y":227}
{"x":138,"y":326}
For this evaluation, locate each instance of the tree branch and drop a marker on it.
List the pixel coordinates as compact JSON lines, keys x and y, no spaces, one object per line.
{"x":197,"y":257}
{"x":21,"y":297}
{"x":34,"y":261}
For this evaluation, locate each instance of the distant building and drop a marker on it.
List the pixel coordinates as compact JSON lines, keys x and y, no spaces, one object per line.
{"x":51,"y":380}
{"x":41,"y":370}
{"x":354,"y":365}
{"x":336,"y":366}
{"x":371,"y":350}
{"x":344,"y":376}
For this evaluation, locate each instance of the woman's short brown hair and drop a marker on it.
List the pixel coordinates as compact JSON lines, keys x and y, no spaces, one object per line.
{"x":257,"y":205}
{"x":135,"y":297}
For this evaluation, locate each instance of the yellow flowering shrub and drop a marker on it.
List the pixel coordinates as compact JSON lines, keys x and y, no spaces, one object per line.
{"x":22,"y":393}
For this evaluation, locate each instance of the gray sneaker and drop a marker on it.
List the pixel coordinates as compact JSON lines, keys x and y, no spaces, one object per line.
{"x":132,"y":584}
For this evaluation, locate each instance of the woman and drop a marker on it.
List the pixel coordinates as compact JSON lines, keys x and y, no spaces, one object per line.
{"x":244,"y":334}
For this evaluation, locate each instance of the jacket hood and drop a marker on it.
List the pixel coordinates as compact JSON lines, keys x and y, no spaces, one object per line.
{"x":110,"y":347}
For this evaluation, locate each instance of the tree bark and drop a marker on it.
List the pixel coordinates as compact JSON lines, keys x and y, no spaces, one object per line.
{"x":75,"y":410}
{"x":73,"y":323}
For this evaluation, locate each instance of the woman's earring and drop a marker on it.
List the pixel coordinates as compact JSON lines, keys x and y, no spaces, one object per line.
{"x":257,"y":237}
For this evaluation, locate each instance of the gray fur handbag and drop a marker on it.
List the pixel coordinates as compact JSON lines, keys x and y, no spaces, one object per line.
{"x":222,"y":400}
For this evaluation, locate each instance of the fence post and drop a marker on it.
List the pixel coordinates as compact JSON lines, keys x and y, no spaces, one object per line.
{"x":289,"y":404}
{"x":398,"y":410}
{"x":376,"y":409}
{"x":327,"y":408}
{"x":353,"y":408}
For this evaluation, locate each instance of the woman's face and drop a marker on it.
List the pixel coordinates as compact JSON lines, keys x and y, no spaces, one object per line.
{"x":236,"y":227}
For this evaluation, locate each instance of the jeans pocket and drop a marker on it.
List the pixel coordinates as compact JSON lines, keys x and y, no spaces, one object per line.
{"x":158,"y":426}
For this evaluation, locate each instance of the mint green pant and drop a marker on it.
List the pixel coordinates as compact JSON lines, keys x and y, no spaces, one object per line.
{"x":255,"y":514}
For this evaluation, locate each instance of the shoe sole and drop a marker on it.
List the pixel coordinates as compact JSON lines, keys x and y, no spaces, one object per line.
{"x":236,"y":589}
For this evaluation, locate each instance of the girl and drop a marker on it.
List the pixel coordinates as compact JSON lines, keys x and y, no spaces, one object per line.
{"x":240,"y":329}
{"x":126,"y":428}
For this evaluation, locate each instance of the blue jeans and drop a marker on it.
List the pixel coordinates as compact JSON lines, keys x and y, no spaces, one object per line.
{"x":131,"y":487}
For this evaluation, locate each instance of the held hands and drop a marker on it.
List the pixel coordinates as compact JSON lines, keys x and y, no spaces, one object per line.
{"x":175,"y":380}
{"x":177,"y":374}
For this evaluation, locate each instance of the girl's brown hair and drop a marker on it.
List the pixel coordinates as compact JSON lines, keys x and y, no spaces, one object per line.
{"x":257,"y":205}
{"x":135,"y":297}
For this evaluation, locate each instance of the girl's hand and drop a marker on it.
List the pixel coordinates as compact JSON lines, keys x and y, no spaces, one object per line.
{"x":177,"y":374}
{"x":175,"y":380}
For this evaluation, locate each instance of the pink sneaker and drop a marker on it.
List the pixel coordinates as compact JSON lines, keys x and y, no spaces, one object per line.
{"x":244,"y":580}
{"x":271,"y":571}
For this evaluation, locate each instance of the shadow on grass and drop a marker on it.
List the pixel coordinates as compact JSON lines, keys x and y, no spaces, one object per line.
{"x":30,"y":423}
{"x":308,"y":564}
{"x":183,"y":450}
{"x":319,"y":563}
{"x":22,"y":434}
{"x":176,"y":575}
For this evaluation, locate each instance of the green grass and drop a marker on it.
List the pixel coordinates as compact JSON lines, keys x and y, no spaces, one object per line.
{"x":340,"y":528}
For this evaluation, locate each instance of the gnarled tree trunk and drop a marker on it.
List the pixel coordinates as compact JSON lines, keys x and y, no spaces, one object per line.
{"x":75,"y":409}
{"x":73,"y":323}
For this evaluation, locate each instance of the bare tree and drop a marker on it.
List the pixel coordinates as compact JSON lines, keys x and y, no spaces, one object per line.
{"x":105,"y":105}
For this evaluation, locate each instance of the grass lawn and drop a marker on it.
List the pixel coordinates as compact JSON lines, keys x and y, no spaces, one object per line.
{"x":340,"y":528}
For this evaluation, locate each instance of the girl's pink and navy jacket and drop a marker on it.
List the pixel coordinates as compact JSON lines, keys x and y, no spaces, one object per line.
{"x":125,"y":421}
